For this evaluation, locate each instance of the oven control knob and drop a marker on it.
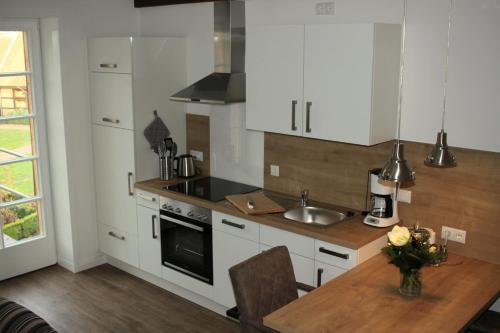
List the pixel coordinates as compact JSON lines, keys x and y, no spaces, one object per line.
{"x":178,"y":210}
{"x":170,"y":208}
{"x":190,"y":213}
{"x":164,"y":206}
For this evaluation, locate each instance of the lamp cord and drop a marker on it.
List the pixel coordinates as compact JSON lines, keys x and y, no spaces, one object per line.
{"x":450,"y":12}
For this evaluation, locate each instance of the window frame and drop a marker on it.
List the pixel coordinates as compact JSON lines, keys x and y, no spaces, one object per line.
{"x":39,"y":128}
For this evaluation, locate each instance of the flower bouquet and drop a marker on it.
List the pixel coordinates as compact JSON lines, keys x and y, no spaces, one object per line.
{"x":410,"y":250}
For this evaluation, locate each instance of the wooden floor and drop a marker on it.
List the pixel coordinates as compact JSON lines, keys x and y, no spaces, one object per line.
{"x":105,"y":299}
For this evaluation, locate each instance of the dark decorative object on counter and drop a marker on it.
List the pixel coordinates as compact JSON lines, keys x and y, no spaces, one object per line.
{"x":410,"y":250}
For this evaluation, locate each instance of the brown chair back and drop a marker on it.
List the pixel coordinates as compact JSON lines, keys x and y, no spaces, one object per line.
{"x":263,"y":284}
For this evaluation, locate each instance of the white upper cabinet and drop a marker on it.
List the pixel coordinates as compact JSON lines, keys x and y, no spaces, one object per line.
{"x":274,"y":61}
{"x":110,"y":55}
{"x":347,"y":74}
{"x":112,"y":100}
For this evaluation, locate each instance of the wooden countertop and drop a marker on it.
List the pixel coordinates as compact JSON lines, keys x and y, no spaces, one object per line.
{"x":366,"y":299}
{"x":352,"y":233}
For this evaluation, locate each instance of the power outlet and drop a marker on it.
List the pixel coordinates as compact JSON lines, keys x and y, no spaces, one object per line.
{"x":404,"y":196}
{"x":456,"y":235}
{"x":275,"y":170}
{"x":325,"y":8}
{"x":198,"y":155}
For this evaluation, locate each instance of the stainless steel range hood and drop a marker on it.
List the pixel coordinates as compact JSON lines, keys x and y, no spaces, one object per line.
{"x":227,"y":83}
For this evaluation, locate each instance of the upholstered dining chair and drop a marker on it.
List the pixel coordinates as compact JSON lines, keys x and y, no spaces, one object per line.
{"x":263,"y":284}
{"x":15,"y":318}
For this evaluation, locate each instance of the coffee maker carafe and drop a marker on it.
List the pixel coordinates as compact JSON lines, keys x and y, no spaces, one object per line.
{"x":382,"y":204}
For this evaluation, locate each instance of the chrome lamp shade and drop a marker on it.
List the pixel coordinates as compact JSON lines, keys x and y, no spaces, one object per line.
{"x":397,"y":168}
{"x":441,"y":156}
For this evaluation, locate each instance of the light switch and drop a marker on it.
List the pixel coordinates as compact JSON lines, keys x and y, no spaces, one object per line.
{"x":404,"y":196}
{"x":275,"y":170}
{"x":198,"y":155}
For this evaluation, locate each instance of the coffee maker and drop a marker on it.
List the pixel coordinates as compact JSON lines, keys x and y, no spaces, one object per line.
{"x":382,"y":204}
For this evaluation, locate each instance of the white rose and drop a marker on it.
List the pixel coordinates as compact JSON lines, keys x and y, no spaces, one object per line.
{"x":399,"y":236}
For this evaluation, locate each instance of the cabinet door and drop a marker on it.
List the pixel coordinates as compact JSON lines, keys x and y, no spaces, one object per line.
{"x":324,"y":273}
{"x":110,"y":55}
{"x":114,"y":178}
{"x":228,"y":250}
{"x":111,"y":100}
{"x":274,"y":71}
{"x":338,"y":82}
{"x":303,"y":268}
{"x":148,"y":227}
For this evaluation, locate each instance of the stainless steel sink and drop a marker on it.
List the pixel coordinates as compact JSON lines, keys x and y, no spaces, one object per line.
{"x":317,"y":216}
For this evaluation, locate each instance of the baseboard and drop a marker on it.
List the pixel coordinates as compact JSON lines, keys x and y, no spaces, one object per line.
{"x":93,"y":262}
{"x":69,"y":265}
{"x":173,"y":288}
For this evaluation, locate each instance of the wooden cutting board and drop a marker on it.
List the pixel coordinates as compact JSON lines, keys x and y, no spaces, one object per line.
{"x":262,"y":204}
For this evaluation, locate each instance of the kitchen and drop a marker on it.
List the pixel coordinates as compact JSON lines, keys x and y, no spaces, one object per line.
{"x":439,"y":197}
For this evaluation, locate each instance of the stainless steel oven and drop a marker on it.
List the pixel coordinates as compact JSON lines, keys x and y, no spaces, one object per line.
{"x":186,"y":239}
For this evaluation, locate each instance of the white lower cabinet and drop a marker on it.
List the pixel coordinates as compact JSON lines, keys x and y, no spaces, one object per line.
{"x":324,"y":273}
{"x":228,"y":250}
{"x":303,"y":268}
{"x":148,"y":226}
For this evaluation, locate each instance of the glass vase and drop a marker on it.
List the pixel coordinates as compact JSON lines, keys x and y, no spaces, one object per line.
{"x":411,"y":283}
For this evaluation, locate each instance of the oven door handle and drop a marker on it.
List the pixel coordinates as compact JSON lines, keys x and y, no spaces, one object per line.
{"x":182,"y":223}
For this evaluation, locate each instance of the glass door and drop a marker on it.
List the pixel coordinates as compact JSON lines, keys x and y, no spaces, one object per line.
{"x":26,"y":236}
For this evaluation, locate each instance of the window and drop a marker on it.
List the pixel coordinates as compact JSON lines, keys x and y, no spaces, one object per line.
{"x":21,"y":199}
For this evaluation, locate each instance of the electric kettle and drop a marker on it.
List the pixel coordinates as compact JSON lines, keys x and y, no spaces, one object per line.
{"x":185,"y":166}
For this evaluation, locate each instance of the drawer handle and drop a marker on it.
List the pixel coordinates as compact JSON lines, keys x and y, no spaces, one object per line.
{"x":232,"y":224}
{"x":112,"y":234}
{"x":320,"y":273}
{"x":110,"y":120}
{"x":333,"y":253}
{"x":142,"y":196}
{"x":108,"y":65}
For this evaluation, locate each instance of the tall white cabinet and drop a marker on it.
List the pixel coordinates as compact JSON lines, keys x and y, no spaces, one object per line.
{"x":335,"y":82}
{"x":129,"y":79}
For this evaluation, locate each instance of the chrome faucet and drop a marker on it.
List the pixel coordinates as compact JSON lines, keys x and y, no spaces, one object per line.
{"x":304,"y":198}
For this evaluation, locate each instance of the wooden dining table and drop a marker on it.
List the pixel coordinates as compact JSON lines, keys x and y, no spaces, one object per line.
{"x":367,"y":299}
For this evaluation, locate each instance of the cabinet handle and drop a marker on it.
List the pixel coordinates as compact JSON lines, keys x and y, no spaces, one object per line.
{"x":320,"y":273}
{"x":153,"y":226}
{"x":130,"y":189}
{"x":308,"y":117}
{"x":112,"y":234}
{"x":232,"y":224}
{"x":110,"y":120}
{"x":142,"y":196}
{"x":294,"y":107}
{"x":108,"y":65}
{"x":333,"y":253}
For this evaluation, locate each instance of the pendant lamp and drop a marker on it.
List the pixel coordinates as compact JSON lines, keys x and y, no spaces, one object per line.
{"x":440,"y":155}
{"x":397,"y":169}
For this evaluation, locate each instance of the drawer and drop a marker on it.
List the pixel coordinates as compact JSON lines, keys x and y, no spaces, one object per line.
{"x":110,"y":55}
{"x":147,"y":199}
{"x":298,"y":244}
{"x":111,"y":100}
{"x":118,"y":244}
{"x":235,"y":226}
{"x":335,"y":255}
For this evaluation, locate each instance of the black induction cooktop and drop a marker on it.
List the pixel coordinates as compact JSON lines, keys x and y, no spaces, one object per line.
{"x":211,"y":188}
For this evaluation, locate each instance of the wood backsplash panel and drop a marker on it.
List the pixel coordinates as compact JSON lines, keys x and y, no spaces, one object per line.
{"x":465,"y":197}
{"x":198,"y":138}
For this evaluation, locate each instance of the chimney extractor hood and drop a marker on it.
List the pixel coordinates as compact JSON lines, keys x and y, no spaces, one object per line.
{"x":227,"y":83}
